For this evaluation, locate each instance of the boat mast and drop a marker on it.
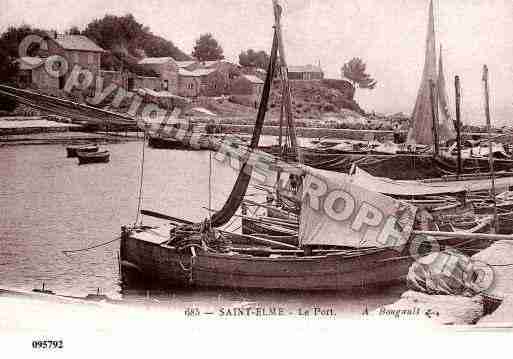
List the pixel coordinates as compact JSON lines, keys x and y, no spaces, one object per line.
{"x":286,"y":95}
{"x":490,"y":151}
{"x":434,"y":113}
{"x":458,"y":120}
{"x":233,"y":202}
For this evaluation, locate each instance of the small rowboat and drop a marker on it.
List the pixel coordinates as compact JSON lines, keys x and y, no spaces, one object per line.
{"x":72,"y":150}
{"x":93,"y":157}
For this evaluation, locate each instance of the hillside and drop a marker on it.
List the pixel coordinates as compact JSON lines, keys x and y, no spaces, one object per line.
{"x":311,"y":99}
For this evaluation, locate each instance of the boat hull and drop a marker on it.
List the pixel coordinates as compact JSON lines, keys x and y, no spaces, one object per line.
{"x":166,"y":266}
{"x":96,"y":157}
{"x":159,"y":264}
{"x":204,"y":142}
{"x":72,"y":151}
{"x":167,"y":143}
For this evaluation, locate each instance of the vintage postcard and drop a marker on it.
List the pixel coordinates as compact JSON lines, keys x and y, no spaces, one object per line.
{"x":271,"y":175}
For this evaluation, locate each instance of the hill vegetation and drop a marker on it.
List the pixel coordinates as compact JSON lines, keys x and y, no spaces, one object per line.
{"x":123,"y":37}
{"x":126,"y":41}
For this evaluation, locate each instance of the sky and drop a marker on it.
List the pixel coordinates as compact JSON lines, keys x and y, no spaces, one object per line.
{"x":389,"y":35}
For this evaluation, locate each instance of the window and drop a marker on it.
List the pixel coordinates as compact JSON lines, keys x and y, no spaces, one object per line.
{"x":190,"y":86}
{"x":90,"y":58}
{"x":75,"y":57}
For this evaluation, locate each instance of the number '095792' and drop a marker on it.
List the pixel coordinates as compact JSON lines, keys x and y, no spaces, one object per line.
{"x":47,"y":344}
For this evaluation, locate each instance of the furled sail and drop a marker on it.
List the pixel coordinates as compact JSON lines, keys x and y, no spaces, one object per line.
{"x":446,"y":129}
{"x":421,"y":127}
{"x":239,"y":190}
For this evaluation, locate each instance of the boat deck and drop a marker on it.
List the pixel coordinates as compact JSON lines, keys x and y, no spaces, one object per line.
{"x":155,"y":235}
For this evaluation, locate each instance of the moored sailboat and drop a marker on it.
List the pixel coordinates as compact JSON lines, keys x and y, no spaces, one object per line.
{"x":368,"y":241}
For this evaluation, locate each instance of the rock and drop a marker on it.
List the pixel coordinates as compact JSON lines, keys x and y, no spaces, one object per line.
{"x":443,"y":273}
{"x":503,"y":314}
{"x":497,"y":274}
{"x":441,"y":309}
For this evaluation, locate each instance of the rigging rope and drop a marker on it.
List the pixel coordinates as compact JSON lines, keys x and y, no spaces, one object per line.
{"x":210,"y":182}
{"x":91,"y":247}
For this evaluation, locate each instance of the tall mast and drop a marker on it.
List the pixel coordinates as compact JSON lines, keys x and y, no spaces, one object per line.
{"x":286,"y":95}
{"x":458,"y":120}
{"x":434,"y":114}
{"x":490,"y":151}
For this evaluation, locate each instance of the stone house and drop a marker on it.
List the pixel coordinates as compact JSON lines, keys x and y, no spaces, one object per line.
{"x":166,"y":68}
{"x":228,"y":70}
{"x":307,"y":72}
{"x":192,"y":78}
{"x":248,"y":86}
{"x":201,"y":82}
{"x":190,"y":65}
{"x":76,"y":49}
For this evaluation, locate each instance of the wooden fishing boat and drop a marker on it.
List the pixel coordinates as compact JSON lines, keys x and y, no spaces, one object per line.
{"x":72,"y":150}
{"x":330,"y":255}
{"x":148,"y":254}
{"x":93,"y":157}
{"x":151,"y":257}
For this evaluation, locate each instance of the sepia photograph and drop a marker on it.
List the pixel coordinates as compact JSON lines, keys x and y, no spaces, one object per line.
{"x":207,"y":172}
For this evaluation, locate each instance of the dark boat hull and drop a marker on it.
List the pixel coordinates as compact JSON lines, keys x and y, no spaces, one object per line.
{"x":167,"y":143}
{"x":204,"y":142}
{"x":96,"y":157}
{"x":164,"y":265}
{"x":72,"y":151}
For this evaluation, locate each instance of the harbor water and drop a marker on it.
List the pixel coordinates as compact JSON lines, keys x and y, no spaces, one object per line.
{"x":50,"y":204}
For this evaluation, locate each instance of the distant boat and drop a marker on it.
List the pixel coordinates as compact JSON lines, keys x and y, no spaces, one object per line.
{"x":421,"y":128}
{"x":195,"y":135}
{"x":72,"y":150}
{"x":93,"y":157}
{"x":166,"y":143}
